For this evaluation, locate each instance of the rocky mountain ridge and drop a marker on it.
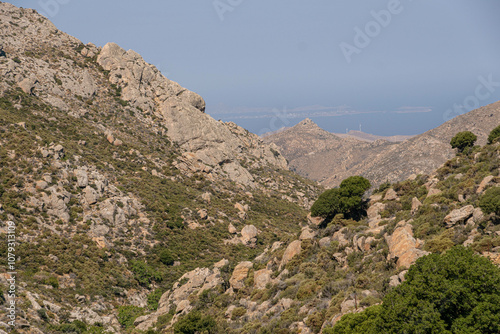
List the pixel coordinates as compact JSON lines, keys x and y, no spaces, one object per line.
{"x":328,"y":159}
{"x":43,"y":61}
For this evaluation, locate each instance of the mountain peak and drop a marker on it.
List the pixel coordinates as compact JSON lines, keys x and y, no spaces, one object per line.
{"x":307,"y":121}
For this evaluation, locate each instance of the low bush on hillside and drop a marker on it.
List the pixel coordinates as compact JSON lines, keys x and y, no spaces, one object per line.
{"x":195,"y":322}
{"x":494,"y":135}
{"x":490,"y":202}
{"x":347,"y":199}
{"x":456,"y":292}
{"x":463,"y":140}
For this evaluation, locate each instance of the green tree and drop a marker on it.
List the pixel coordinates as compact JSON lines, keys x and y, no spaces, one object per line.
{"x":347,"y":199}
{"x":455,"y":292}
{"x":195,"y":323}
{"x":494,"y":134}
{"x":364,"y":322}
{"x":463,"y":140}
{"x":490,"y":201}
{"x":166,"y":257}
{"x":328,"y":203}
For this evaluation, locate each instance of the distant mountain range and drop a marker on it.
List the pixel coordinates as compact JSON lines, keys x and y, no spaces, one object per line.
{"x":329,"y":158}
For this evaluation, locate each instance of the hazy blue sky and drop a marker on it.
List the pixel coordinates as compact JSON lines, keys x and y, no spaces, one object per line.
{"x":396,"y":67}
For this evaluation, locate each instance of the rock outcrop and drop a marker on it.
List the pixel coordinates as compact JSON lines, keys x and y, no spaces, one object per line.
{"x":214,"y":146}
{"x":403,"y":246}
{"x":459,"y":215}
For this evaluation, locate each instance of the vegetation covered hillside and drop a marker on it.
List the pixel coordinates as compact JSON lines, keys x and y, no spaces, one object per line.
{"x":110,"y":207}
{"x":135,"y":212}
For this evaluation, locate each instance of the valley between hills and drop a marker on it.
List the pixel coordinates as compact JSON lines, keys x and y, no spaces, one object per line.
{"x":134,"y":211}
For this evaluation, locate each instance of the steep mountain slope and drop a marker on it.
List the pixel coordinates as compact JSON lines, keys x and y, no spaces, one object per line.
{"x":64,"y":73}
{"x":118,"y":183}
{"x":341,"y":266}
{"x":322,"y":156}
{"x":329,"y":160}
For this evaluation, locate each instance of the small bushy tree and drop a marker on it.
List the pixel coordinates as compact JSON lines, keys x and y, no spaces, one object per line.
{"x":194,"y":323}
{"x":347,"y":199}
{"x":490,"y":202}
{"x":494,"y":134}
{"x":327,"y":203}
{"x":463,"y":140}
{"x":166,"y":257}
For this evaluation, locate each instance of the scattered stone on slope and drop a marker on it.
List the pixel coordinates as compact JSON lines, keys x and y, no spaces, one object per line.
{"x":340,"y":237}
{"x":307,"y":234}
{"x":434,"y":192}
{"x":82,"y":178}
{"x":232,"y":229}
{"x":403,"y":246}
{"x":374,"y":210}
{"x":459,"y":215}
{"x":261,"y":278}
{"x":415,"y":205}
{"x":391,"y":195}
{"x":484,"y":183}
{"x":294,"y":248}
{"x":316,"y":221}
{"x":240,"y":273}
{"x":397,"y":279}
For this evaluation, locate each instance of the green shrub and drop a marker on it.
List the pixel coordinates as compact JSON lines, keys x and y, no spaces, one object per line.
{"x":347,"y":199}
{"x":456,"y":292}
{"x":315,"y":321}
{"x":238,"y":313}
{"x":194,"y":323}
{"x":128,"y":314}
{"x":494,"y":134}
{"x":383,"y":187}
{"x":354,"y":323}
{"x":462,"y":140}
{"x":166,"y":257}
{"x":490,"y":201}
{"x":153,"y":299}
{"x":441,"y":242}
{"x":143,"y":273}
{"x":52,"y":280}
{"x":328,"y":203}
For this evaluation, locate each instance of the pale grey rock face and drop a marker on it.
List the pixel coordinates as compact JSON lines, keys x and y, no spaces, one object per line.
{"x":213,"y":146}
{"x":248,"y":233}
{"x":82,"y":178}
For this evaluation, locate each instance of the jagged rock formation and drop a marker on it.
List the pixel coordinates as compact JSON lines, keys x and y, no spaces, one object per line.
{"x":214,"y":145}
{"x":319,"y":155}
{"x":55,"y":67}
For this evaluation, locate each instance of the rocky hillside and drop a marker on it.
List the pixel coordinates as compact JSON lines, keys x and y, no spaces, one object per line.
{"x":135,"y":212}
{"x":321,"y":156}
{"x":64,"y":73}
{"x":119,"y":183}
{"x":342,"y":266}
